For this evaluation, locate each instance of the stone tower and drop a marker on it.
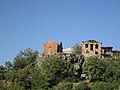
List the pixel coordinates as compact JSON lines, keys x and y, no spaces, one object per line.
{"x":51,"y":47}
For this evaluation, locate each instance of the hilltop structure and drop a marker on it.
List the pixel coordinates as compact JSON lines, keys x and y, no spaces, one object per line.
{"x":51,"y":47}
{"x":107,"y":52}
{"x":94,"y":48}
{"x":89,"y":48}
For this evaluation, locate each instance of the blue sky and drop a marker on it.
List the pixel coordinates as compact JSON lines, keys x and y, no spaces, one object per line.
{"x":30,"y":23}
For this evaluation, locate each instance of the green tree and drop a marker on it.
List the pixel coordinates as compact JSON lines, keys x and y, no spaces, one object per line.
{"x":80,"y":86}
{"x":39,"y":80}
{"x":8,"y":65}
{"x":104,"y":86}
{"x":2,"y":71}
{"x":20,"y":78}
{"x":63,"y":86}
{"x":51,"y":69}
{"x":106,"y":70}
{"x":50,"y":72}
{"x":3,"y":85}
{"x":77,"y":49}
{"x":16,"y":86}
{"x":95,"y":68}
{"x":71,"y":86}
{"x":24,"y":58}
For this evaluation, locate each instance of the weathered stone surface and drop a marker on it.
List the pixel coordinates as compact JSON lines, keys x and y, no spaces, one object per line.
{"x":94,"y":48}
{"x":51,"y":47}
{"x":76,"y":60}
{"x":91,"y":48}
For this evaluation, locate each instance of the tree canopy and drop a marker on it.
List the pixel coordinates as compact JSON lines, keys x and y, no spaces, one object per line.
{"x":24,"y":58}
{"x":77,"y":49}
{"x":54,"y":73}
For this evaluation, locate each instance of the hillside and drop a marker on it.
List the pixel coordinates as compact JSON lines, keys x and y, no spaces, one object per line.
{"x":33,"y":71}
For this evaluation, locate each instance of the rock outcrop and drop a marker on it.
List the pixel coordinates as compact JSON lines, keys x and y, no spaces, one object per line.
{"x":76,"y":60}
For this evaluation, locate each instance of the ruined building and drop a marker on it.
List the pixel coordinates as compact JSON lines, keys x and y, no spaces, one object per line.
{"x":94,"y":48}
{"x":51,"y":47}
{"x":106,"y":52}
{"x":89,"y":48}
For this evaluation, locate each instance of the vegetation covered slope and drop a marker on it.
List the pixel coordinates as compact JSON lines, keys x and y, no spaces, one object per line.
{"x":56,"y":74}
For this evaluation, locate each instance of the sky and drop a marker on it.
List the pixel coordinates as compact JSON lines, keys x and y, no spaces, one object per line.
{"x":30,"y":23}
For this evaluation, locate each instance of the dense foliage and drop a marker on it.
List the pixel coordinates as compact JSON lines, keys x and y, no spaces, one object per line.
{"x":105,"y":73}
{"x":24,"y":58}
{"x":106,"y":70}
{"x":56,"y":74}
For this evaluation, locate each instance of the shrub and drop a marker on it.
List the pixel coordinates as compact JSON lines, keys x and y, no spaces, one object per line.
{"x":63,"y":86}
{"x":103,"y":86}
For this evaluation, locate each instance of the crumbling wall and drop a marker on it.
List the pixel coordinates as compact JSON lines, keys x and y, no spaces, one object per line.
{"x":51,"y":47}
{"x":91,"y":48}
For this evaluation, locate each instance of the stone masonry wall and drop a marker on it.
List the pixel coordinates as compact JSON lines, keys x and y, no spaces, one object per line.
{"x":51,"y":47}
{"x":96,"y":49}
